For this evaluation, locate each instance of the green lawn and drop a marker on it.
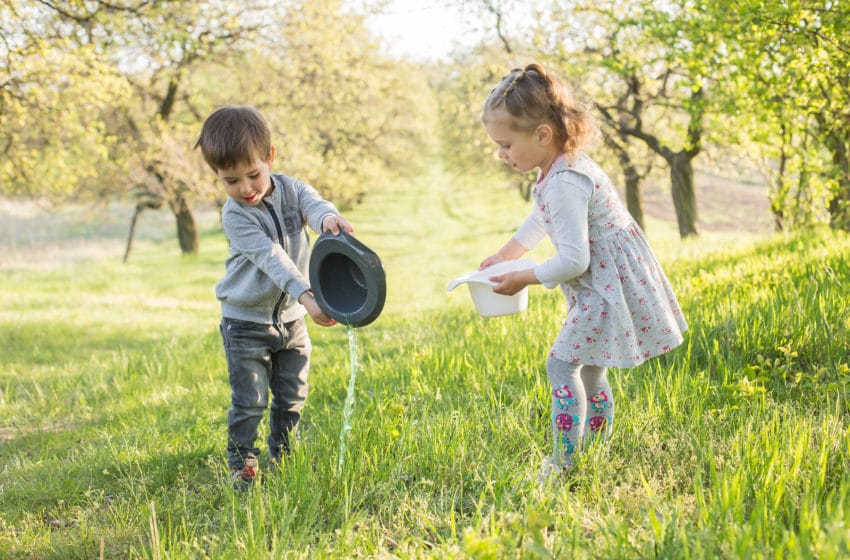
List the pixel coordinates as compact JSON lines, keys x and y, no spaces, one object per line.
{"x":113,"y":401}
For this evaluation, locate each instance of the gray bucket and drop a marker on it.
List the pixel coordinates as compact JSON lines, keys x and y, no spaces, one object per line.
{"x":347,"y":279}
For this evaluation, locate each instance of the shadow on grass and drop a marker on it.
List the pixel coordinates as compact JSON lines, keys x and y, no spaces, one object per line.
{"x":133,"y":455}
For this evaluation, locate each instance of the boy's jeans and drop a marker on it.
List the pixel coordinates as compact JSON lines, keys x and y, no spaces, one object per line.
{"x":262,"y":358}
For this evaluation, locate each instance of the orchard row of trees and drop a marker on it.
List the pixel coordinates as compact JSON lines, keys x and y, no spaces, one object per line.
{"x":761,"y":80}
{"x":103,"y":99}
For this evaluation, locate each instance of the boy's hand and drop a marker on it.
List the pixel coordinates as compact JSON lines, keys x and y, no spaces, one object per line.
{"x":308,"y":300}
{"x":334,"y":223}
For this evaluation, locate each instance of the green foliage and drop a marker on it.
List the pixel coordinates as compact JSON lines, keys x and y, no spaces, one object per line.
{"x":461,"y":89}
{"x":786,"y":69}
{"x":102,"y":100}
{"x":52,"y":145}
{"x":763,"y":84}
{"x":113,"y":395}
{"x":344,"y":117}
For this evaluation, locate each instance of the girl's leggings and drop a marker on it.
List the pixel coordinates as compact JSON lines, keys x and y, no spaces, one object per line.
{"x":582,"y":405}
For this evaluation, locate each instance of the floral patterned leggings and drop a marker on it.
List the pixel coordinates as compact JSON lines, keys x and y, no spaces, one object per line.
{"x":581,"y":400}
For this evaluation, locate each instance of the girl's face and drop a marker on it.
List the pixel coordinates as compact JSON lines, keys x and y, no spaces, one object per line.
{"x":521,"y":150}
{"x":248,"y":183}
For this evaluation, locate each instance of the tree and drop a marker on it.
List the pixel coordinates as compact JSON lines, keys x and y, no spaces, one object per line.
{"x":633,"y":173}
{"x":341,"y":108}
{"x":652,"y":83}
{"x":767,"y":79}
{"x":628,"y":120}
{"x":55,"y":95}
{"x":474,"y":73}
{"x":143,"y":50}
{"x":790,"y":63}
{"x":344,"y":115}
{"x":772,"y":72}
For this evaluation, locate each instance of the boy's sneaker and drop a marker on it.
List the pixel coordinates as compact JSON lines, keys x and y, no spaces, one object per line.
{"x":243,"y":477}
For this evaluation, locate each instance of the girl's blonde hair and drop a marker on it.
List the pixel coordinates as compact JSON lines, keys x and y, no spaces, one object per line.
{"x":533,"y":96}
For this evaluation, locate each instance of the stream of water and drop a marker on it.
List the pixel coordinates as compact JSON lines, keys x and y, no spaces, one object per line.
{"x":348,"y":409}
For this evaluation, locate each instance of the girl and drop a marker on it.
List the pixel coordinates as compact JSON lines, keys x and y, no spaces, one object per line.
{"x":622,"y":310}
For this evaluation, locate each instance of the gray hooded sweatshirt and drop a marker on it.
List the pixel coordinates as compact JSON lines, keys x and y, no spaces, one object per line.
{"x":269,"y":252}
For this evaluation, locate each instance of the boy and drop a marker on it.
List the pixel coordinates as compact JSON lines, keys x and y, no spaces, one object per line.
{"x":264,"y":292}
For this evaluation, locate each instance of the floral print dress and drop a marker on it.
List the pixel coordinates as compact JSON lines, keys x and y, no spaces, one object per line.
{"x":622,"y":310}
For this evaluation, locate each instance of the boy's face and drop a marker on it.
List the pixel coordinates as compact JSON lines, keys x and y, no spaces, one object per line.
{"x":248,"y":183}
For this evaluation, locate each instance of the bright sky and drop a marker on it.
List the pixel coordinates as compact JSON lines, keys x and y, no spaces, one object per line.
{"x":422,"y":29}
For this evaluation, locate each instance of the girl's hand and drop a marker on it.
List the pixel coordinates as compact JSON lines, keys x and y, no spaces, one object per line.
{"x":513,"y":249}
{"x":512,"y":282}
{"x":335,"y":223}
{"x":490,"y":261}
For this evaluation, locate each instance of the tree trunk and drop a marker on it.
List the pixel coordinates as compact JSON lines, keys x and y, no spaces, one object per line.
{"x":132,"y":232}
{"x":778,"y":201}
{"x":187,"y":230}
{"x":154,"y":204}
{"x":684,"y":197}
{"x":839,"y":206}
{"x":634,"y":197}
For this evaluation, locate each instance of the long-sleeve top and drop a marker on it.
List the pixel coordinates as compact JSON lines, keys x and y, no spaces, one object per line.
{"x":265,"y":273}
{"x":621,"y":307}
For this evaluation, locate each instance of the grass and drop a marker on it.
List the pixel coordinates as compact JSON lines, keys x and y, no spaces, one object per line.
{"x":113,"y":400}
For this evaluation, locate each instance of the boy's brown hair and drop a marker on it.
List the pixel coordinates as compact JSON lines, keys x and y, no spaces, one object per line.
{"x":232,"y":135}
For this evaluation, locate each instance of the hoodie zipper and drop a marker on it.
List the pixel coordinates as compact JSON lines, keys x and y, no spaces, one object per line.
{"x":276,"y":310}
